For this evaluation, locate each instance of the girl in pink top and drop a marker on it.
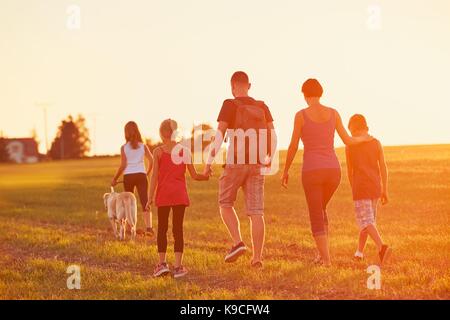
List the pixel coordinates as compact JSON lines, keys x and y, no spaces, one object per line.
{"x":168,"y":180}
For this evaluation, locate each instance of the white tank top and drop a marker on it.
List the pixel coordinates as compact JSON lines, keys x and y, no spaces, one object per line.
{"x":135,"y":159}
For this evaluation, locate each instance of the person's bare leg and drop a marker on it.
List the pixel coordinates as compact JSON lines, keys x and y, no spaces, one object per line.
{"x":323,"y":247}
{"x":162,"y":257}
{"x":258,"y":229}
{"x":178,"y":259}
{"x":232,"y":223}
{"x":148,"y":219}
{"x":362,"y":240}
{"x":318,"y":255}
{"x":375,"y":235}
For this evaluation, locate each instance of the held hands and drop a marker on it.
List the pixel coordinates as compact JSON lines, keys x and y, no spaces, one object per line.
{"x":207,"y":172}
{"x":113,"y":182}
{"x":148,"y":206}
{"x":285,"y":180}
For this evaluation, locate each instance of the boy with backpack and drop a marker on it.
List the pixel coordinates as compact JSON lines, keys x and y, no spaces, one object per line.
{"x":248,"y":126}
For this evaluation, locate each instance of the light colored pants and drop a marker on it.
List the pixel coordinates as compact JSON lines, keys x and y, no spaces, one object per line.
{"x":247,"y":176}
{"x":366,"y":212}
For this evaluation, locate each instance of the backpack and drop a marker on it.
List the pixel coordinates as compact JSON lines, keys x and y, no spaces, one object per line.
{"x":248,"y":117}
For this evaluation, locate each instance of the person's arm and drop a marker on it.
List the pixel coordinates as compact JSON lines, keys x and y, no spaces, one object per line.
{"x":271,"y":136}
{"x":345,"y":137}
{"x":149,"y":157}
{"x":192,"y":172}
{"x":349,"y":166}
{"x":123,"y":165}
{"x":293,"y":147}
{"x":154,"y":178}
{"x":384,"y":177}
{"x":215,"y":146}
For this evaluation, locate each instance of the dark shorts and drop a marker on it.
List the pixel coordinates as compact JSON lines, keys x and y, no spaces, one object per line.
{"x":137,"y":181}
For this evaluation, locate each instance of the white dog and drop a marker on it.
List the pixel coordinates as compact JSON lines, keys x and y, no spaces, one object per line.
{"x":121,"y":208}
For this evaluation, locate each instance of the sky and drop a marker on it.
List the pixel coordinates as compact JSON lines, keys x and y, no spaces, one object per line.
{"x":148,"y":60}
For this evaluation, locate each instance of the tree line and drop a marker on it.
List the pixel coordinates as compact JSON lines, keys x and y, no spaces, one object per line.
{"x":72,"y":140}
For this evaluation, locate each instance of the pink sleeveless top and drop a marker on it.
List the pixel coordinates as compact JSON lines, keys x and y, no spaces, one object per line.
{"x":171,"y":190}
{"x":318,"y":141}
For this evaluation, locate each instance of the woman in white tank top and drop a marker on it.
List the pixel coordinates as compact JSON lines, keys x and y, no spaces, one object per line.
{"x":132,"y":166}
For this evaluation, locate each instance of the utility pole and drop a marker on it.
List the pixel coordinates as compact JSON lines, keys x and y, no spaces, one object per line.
{"x":44,"y":106}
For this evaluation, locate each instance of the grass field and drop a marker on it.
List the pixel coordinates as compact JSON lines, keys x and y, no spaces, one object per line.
{"x":52,"y":216}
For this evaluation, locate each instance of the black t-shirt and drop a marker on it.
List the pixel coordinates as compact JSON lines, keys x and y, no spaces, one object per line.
{"x":228,"y":111}
{"x":364,"y":158}
{"x":228,"y":115}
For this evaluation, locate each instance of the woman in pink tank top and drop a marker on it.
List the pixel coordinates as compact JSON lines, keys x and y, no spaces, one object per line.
{"x":321,"y":171}
{"x":169,"y":183}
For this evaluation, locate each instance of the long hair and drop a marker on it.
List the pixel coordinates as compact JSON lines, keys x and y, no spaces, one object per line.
{"x":132,"y":134}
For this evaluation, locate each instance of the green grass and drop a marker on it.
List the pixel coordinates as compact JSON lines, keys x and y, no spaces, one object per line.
{"x":52,"y":216}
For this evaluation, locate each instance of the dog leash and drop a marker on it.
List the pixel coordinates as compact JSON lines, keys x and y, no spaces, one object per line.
{"x":112,"y":188}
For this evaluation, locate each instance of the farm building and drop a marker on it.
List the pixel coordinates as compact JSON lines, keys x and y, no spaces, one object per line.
{"x":20,"y":150}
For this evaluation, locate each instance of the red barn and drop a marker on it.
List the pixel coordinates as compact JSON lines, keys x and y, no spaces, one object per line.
{"x":20,"y":150}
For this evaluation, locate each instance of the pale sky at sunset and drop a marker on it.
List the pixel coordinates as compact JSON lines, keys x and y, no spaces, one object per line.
{"x":149,"y":60}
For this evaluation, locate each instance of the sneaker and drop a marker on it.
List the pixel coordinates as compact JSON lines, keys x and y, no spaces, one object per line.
{"x":359,"y":256}
{"x":180,"y":272}
{"x":318,"y":260}
{"x":235,"y":252}
{"x":384,"y":253}
{"x":257,"y":264}
{"x":161,"y":269}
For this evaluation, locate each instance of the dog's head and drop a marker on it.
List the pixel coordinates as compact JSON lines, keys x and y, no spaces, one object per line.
{"x":105,"y":199}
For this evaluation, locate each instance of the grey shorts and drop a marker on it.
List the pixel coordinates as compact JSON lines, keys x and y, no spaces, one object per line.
{"x":366,"y":212}
{"x":247,"y":176}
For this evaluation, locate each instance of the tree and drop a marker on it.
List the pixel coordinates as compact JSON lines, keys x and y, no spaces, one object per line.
{"x":72,"y":140}
{"x":3,"y":155}
{"x":198,"y":136}
{"x":152,"y":145}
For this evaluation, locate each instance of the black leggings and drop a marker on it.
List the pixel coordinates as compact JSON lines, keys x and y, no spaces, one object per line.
{"x":140,"y":182}
{"x":177,"y":227}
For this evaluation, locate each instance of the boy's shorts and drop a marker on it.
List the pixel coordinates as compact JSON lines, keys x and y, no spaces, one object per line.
{"x":251,"y":180}
{"x":366,"y":212}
